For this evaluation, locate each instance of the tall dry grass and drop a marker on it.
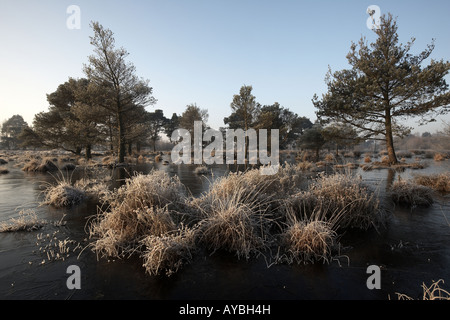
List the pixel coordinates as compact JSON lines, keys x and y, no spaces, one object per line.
{"x":340,"y":197}
{"x":141,"y":207}
{"x":432,"y":292}
{"x":167,"y":253}
{"x":410,"y":194}
{"x":438,"y":182}
{"x":233,"y":222}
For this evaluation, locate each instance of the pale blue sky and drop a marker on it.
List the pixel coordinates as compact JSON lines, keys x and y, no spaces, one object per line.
{"x":202,"y":51}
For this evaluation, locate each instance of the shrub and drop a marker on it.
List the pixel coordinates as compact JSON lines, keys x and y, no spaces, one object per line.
{"x":305,"y":165}
{"x":439,"y":157}
{"x":201,"y":170}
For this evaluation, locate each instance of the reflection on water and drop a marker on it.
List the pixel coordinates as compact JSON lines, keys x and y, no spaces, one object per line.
{"x":412,"y":249}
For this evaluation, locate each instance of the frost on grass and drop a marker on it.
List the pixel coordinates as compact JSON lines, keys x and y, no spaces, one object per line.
{"x":63,"y":195}
{"x":233,"y":223}
{"x":27,"y":221}
{"x":341,"y":198}
{"x":438,"y":182}
{"x":167,"y":253}
{"x":410,"y":194}
{"x":139,"y":208}
{"x":309,"y":241}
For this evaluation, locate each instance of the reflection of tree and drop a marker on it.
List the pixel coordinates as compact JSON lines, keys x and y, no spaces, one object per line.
{"x":390,"y":178}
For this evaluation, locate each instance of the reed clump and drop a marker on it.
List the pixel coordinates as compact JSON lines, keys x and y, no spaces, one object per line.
{"x":167,"y":253}
{"x":63,"y":195}
{"x":339,"y":194}
{"x":308,"y":241}
{"x":438,"y":182}
{"x":44,"y":165}
{"x":410,"y":194}
{"x":432,"y":292}
{"x":141,"y":207}
{"x":234,"y":223}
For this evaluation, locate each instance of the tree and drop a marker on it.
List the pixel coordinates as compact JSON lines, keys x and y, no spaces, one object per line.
{"x":72,"y":122}
{"x":385,"y":85}
{"x":171,"y":125}
{"x":244,"y":108}
{"x":340,"y":134}
{"x":312,"y":139}
{"x":156,"y":122}
{"x":11,"y":130}
{"x":288,"y":123}
{"x":191,"y":114}
{"x":114,"y":77}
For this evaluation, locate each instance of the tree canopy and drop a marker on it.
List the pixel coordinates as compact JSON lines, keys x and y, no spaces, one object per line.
{"x":385,"y":85}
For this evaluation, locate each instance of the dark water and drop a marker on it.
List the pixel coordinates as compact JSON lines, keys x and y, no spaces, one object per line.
{"x":412,"y":249}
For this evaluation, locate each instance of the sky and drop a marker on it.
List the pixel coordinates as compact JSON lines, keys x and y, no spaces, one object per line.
{"x":203,"y":51}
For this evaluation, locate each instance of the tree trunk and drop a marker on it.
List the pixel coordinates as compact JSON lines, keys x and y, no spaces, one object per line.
{"x":111,"y":144}
{"x":130,"y":147}
{"x":88,"y":152}
{"x":121,"y":151}
{"x":390,"y":139}
{"x":138,"y":146}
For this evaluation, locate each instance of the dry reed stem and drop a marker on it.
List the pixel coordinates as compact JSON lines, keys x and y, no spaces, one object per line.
{"x":433,"y":292}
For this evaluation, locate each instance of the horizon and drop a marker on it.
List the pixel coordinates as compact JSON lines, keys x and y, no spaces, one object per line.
{"x":203,"y":51}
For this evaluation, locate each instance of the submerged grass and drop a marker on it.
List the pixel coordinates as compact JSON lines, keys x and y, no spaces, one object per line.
{"x":27,"y":221}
